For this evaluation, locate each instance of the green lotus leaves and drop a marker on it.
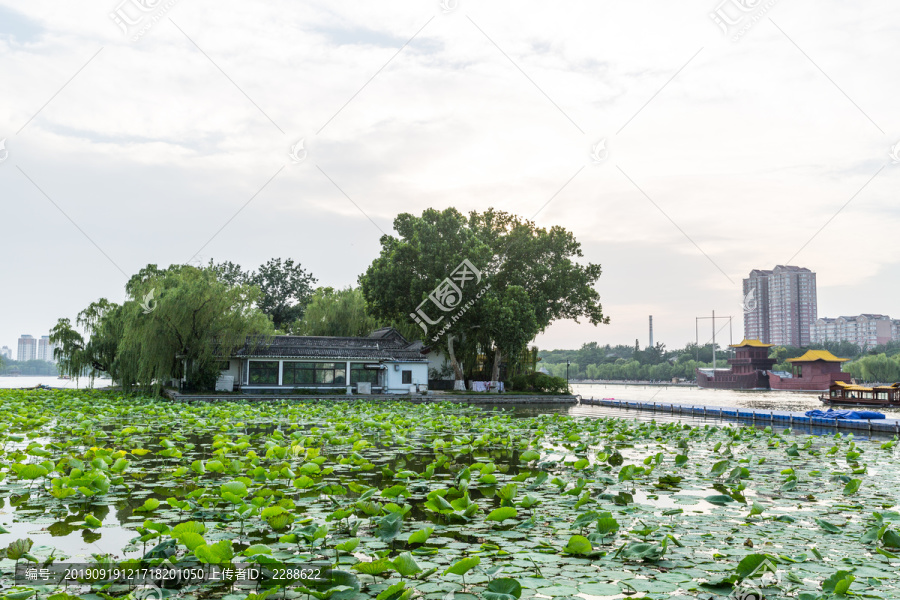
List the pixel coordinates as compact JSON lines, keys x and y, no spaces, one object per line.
{"x":392,"y":491}
{"x":503,"y":588}
{"x":30,"y":472}
{"x":149,"y":505}
{"x":236,"y":489}
{"x":375,"y":567}
{"x":502,"y":513}
{"x":421,"y":536}
{"x":826,"y":526}
{"x":92,"y":521}
{"x":852,"y":487}
{"x":578,"y":544}
{"x":389,"y":527}
{"x":529,"y":456}
{"x":406,"y":565}
{"x":215,"y":554}
{"x":19,"y":549}
{"x":463,"y":566}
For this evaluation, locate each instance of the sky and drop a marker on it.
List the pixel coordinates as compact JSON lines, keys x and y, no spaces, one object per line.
{"x":683,"y":144}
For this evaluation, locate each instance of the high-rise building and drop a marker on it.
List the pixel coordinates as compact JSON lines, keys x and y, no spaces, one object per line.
{"x":6,"y":352}
{"x":27,"y":348}
{"x":866,"y":330}
{"x":780,"y":305}
{"x":45,"y":349}
{"x":756,"y":306}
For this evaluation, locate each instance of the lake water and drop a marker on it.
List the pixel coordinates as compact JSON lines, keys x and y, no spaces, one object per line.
{"x":52,"y":381}
{"x":762,"y":400}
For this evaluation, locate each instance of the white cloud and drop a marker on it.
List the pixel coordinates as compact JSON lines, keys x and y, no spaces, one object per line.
{"x":750,"y":149}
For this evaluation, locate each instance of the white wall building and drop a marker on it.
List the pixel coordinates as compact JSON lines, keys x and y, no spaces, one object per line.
{"x":385,"y":360}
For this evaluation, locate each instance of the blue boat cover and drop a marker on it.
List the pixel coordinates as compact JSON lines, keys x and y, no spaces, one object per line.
{"x":844,"y":414}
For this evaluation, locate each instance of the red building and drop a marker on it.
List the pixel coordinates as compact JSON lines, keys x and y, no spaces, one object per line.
{"x":814,"y":371}
{"x":749,"y":369}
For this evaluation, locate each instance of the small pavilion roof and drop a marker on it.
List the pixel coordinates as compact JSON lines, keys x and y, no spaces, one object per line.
{"x":751,"y":343}
{"x":814,"y":355}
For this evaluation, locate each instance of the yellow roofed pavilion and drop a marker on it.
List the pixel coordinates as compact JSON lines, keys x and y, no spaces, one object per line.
{"x":751,"y":344}
{"x":813,"y":355}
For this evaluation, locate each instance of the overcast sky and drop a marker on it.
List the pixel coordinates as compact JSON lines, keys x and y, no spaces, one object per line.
{"x":166,"y":137}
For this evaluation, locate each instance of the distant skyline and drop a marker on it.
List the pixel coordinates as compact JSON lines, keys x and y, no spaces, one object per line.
{"x":679,"y":158}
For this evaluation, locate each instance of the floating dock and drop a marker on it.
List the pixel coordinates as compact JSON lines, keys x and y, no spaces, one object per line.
{"x":746,"y":415}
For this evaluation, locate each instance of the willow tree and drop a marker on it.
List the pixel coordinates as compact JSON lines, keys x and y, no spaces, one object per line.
{"x":94,"y":351}
{"x":331,"y":312}
{"x":176,"y":322}
{"x":184,"y":320}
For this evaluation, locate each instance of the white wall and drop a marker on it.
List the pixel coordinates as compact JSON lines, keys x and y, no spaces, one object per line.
{"x":436,"y":361}
{"x":394,"y":378}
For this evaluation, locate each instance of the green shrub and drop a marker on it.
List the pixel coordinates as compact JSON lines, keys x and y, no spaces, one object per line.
{"x":539,"y":382}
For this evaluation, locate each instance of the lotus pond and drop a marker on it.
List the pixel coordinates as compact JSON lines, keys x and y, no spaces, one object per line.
{"x":439,"y":501}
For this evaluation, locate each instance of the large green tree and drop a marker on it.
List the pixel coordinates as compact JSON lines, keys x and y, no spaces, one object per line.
{"x":426,"y":252}
{"x":286,"y":287}
{"x":543,"y":263}
{"x":533,"y":277}
{"x":510,"y":323}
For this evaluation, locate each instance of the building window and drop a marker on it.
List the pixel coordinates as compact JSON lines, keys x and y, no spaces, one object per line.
{"x":407,"y":376}
{"x":306,"y":373}
{"x":360,"y":374}
{"x":299,"y":373}
{"x":264,"y":372}
{"x":225,"y":365}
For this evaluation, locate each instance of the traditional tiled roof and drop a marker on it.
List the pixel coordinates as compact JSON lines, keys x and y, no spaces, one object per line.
{"x":812,"y":355}
{"x":387,"y":346}
{"x":751,"y":343}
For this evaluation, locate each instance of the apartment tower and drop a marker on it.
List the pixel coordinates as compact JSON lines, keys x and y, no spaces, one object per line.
{"x":780,"y":305}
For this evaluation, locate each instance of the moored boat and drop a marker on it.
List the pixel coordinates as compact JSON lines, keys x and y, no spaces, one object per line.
{"x":749,"y":369}
{"x":841,"y":392}
{"x":815,"y":371}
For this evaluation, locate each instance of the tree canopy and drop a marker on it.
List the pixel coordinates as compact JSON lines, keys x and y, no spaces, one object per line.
{"x":333,"y":312}
{"x":528,"y":277}
{"x":285,"y":287}
{"x":172,"y":317}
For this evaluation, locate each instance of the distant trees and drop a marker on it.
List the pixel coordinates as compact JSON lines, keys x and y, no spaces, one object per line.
{"x":875,"y":368}
{"x":593,"y":361}
{"x":27,"y":368}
